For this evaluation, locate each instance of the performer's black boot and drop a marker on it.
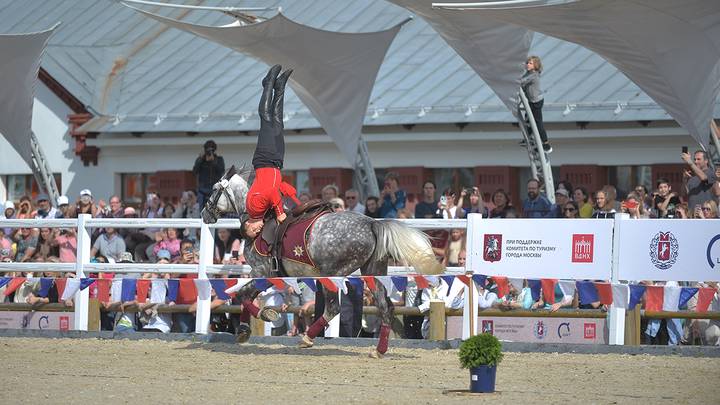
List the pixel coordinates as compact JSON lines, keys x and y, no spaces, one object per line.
{"x":279,"y":98}
{"x":266,"y":99}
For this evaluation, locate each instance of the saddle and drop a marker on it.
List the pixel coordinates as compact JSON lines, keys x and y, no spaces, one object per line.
{"x":273,"y":234}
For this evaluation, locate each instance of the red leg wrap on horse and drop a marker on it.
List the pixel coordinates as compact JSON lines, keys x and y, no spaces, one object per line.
{"x":384,"y":334}
{"x":254,"y":311}
{"x":317,"y":327}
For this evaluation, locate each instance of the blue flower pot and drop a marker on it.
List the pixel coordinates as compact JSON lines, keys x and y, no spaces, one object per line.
{"x":482,"y":379}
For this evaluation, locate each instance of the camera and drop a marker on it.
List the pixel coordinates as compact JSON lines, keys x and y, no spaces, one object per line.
{"x":235,"y":254}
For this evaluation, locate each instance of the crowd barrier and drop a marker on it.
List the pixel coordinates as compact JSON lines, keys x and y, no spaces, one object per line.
{"x":531,"y":249}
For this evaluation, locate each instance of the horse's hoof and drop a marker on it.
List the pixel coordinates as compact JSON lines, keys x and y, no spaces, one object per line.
{"x":376,"y":354}
{"x":243,"y":333}
{"x":268,"y":314}
{"x":305,"y":342}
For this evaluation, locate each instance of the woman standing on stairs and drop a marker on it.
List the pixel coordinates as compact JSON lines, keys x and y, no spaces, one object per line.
{"x":530,"y":83}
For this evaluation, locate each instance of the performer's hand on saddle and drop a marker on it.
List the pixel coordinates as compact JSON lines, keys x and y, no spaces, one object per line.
{"x":281,"y":217}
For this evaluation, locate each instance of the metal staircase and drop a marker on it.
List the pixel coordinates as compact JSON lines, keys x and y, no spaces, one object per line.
{"x":42,"y":172}
{"x":714,"y":143}
{"x":539,"y":160}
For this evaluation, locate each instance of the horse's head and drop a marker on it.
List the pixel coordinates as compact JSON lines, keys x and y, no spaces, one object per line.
{"x":228,"y":195}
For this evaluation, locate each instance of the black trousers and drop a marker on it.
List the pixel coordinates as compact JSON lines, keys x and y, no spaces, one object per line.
{"x":536,"y":109}
{"x":270,"y":149}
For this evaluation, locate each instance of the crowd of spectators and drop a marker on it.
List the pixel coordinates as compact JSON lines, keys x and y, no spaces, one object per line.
{"x":698,"y":200}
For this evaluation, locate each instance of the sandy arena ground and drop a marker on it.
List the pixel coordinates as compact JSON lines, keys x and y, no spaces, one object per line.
{"x":152,"y":371}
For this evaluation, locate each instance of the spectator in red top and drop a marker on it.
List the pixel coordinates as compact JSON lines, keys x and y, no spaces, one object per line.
{"x":267,"y":190}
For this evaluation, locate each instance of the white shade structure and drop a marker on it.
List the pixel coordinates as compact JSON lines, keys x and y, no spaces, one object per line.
{"x":334,"y":72}
{"x":494,"y":49}
{"x":669,"y":48}
{"x":19,"y":67}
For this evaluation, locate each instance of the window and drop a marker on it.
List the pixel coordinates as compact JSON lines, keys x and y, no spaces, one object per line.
{"x":134,"y":187}
{"x":19,"y":185}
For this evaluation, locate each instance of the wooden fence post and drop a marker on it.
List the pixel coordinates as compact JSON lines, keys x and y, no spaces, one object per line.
{"x":437,"y":320}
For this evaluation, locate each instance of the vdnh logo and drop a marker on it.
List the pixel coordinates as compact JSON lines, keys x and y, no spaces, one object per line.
{"x":664,"y":250}
{"x":583,"y":248}
{"x":492,"y":248}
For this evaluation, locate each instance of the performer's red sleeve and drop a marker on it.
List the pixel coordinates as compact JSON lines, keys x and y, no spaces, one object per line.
{"x":289,"y":191}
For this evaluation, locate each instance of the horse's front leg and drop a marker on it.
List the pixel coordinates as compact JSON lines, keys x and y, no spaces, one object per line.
{"x":332,"y":309}
{"x":387,"y":316}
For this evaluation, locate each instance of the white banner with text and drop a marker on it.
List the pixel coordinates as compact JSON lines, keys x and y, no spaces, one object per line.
{"x":669,"y":249}
{"x":540,"y":248}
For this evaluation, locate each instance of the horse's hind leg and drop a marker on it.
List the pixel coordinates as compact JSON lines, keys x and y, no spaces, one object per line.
{"x":387,"y":316}
{"x":245,"y":297}
{"x":332,"y":309}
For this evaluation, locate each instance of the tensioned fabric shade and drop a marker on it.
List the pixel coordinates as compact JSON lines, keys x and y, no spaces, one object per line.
{"x":19,"y":67}
{"x":494,"y":49}
{"x":334,"y":72}
{"x":669,"y":48}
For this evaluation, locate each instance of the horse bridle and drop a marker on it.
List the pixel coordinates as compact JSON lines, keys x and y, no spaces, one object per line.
{"x":229,"y":195}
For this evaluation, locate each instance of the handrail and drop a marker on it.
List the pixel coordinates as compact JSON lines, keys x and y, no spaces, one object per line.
{"x":547,"y":169}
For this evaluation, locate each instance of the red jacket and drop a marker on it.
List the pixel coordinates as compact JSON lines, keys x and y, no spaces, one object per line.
{"x":266,"y":193}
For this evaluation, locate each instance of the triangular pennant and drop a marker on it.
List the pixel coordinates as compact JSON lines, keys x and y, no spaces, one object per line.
{"x":671,"y":298}
{"x":45,"y":285}
{"x":4,"y":281}
{"x":219,"y":286}
{"x":604,"y":291}
{"x":103,"y":289}
{"x":621,"y":295}
{"x":705,"y":297}
{"x":340,"y":284}
{"x":370,"y":281}
{"x":357,"y":284}
{"x":86,"y":282}
{"x":60,"y":284}
{"x":636,"y":293}
{"x":71,"y":287}
{"x":548,"y":289}
{"x":129,"y":289}
{"x":310,"y":283}
{"x":187,"y":292}
{"x":421,"y":282}
{"x":502,"y":286}
{"x":14,"y":284}
{"x":517,"y":283}
{"x":479,"y":280}
{"x":535,"y":288}
{"x":262,"y":284}
{"x":173,"y":287}
{"x":386,"y":282}
{"x":685,"y":296}
{"x":433,"y":280}
{"x":567,"y":287}
{"x":465,"y":279}
{"x":115,"y":289}
{"x":293,"y":282}
{"x":449,"y":281}
{"x":236,"y":284}
{"x":587,"y":293}
{"x":202,"y":286}
{"x":229,"y":283}
{"x":654,"y":297}
{"x":277,"y":282}
{"x":328,"y":284}
{"x":158,"y":292}
{"x":142,"y":289}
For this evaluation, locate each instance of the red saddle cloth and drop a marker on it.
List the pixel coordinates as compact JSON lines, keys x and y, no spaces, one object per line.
{"x":294,"y":242}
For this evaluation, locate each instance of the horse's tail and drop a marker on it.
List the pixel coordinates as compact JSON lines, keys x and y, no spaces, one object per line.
{"x":406,"y":245}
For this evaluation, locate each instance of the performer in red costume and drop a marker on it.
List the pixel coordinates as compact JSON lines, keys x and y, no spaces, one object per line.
{"x":268,"y":188}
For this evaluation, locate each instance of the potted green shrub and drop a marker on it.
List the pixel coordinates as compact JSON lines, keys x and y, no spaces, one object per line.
{"x":481,"y":354}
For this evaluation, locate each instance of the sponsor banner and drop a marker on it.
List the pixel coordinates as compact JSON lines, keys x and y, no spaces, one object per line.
{"x":541,"y":248}
{"x":669,"y":249}
{"x":536,"y":330}
{"x":61,"y":321}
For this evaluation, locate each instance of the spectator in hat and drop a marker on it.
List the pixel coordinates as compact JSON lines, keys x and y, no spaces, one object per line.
{"x":85,"y":204}
{"x":8,"y":213}
{"x":63,"y":207}
{"x":208,"y":168}
{"x":44,"y":209}
{"x":561,"y":198}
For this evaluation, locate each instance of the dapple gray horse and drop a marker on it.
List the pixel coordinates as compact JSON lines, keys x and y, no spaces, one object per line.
{"x":339,"y":244}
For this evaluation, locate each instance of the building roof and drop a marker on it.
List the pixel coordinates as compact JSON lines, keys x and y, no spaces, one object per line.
{"x":138,"y":75}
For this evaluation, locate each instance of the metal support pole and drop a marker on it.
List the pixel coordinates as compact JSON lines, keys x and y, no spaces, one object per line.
{"x":470,"y":311}
{"x":207,"y":247}
{"x":616,"y":316}
{"x":364,"y":178}
{"x":82,"y":297}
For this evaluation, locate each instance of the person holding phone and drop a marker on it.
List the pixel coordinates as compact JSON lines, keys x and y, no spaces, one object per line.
{"x":665,"y":200}
{"x":698,"y":179}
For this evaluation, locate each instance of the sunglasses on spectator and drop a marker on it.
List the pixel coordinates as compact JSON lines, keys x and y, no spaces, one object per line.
{"x":569,"y":209}
{"x":350,"y":197}
{"x":706,"y":209}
